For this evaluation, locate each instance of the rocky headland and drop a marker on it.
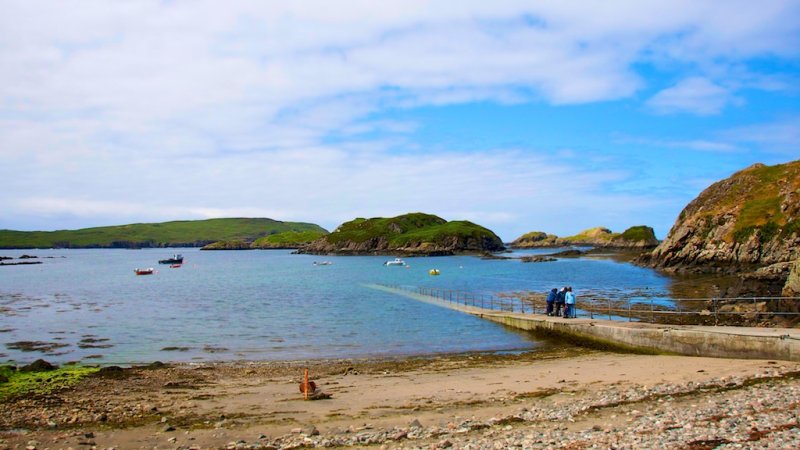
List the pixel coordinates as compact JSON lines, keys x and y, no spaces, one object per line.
{"x":746,"y":224}
{"x":285,"y":240}
{"x":637,"y":237}
{"x":408,"y":234}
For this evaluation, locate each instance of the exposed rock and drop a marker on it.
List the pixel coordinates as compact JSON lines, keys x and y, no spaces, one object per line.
{"x":746,"y":221}
{"x":792,"y":286}
{"x":537,"y":258}
{"x":39,"y":365}
{"x":409,"y":234}
{"x":227,"y":245}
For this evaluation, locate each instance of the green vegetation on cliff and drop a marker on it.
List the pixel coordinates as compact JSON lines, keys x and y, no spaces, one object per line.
{"x":746,"y":221}
{"x":186,"y":233}
{"x":288,"y":239}
{"x":227,"y":245}
{"x":761,"y":197}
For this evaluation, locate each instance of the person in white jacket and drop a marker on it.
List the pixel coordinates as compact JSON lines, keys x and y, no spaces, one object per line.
{"x":569,"y":300}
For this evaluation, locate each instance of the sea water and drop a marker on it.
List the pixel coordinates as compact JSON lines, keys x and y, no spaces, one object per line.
{"x":88,"y":305}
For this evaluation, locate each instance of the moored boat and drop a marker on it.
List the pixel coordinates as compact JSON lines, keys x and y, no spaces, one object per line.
{"x":395,"y":262}
{"x":176,"y":259}
{"x":434,"y":272}
{"x":322,"y":263}
{"x":148,"y":271}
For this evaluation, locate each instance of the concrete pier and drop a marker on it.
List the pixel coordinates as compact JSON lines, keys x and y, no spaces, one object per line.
{"x":692,"y":340}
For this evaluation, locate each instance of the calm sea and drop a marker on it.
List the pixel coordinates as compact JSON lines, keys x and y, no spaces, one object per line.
{"x":87,"y":305}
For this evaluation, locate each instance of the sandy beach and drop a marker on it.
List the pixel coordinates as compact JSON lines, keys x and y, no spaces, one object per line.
{"x":566,"y":398}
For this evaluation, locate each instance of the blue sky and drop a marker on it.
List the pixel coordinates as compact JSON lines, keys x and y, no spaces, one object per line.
{"x":518,"y":115}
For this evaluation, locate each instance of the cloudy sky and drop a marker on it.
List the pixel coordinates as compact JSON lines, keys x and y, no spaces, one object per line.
{"x":518,"y":115}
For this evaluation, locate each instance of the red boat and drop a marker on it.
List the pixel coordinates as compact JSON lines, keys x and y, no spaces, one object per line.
{"x":174,"y":266}
{"x":148,"y":271}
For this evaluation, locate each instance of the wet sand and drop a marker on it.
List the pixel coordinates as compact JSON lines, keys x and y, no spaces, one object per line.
{"x":459,"y":401}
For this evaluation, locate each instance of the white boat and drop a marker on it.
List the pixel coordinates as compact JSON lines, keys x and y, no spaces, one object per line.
{"x":395,"y":262}
{"x":322,"y":263}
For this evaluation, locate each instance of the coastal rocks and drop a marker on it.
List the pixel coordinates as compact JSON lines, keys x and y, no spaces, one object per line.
{"x":409,"y":234}
{"x":227,"y":245}
{"x":746,"y":221}
{"x":637,"y":237}
{"x":792,"y":286}
{"x":26,"y":261}
{"x":537,"y":259}
{"x":39,"y":365}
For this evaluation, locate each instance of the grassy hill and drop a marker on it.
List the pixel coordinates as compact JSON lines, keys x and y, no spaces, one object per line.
{"x":184,"y":233}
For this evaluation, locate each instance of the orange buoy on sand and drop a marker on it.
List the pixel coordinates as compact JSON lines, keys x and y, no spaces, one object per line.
{"x":307,"y":387}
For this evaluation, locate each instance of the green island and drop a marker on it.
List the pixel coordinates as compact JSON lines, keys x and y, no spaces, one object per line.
{"x":639,"y":236}
{"x":183,"y":233}
{"x":413,"y":233}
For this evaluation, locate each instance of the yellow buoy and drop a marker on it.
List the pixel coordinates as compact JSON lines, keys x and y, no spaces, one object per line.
{"x":433,"y":272}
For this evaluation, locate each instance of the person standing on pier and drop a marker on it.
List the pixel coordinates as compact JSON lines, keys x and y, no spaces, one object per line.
{"x":560,"y":300}
{"x":552,"y":296}
{"x":569,"y":307}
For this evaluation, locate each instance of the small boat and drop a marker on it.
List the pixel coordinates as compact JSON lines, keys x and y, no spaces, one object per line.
{"x":322,"y":263}
{"x":148,"y":271}
{"x":434,"y":272}
{"x":174,"y":266}
{"x":395,"y":262}
{"x":176,"y":259}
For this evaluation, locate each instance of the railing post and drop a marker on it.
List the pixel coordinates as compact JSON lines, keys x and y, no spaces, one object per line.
{"x":716,"y":316}
{"x":652,"y":312}
{"x":630,"y":313}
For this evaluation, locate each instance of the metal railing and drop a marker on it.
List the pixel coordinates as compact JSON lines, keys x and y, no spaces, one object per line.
{"x":695,"y":311}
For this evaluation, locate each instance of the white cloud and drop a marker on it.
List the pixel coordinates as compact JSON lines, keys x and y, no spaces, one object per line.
{"x":781,"y":136}
{"x":163,"y":109}
{"x":694,"y":95}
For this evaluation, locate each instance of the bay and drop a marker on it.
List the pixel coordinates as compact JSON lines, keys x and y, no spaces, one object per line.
{"x":88,"y":304}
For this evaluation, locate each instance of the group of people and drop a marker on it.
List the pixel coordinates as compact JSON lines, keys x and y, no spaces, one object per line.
{"x":561,"y":300}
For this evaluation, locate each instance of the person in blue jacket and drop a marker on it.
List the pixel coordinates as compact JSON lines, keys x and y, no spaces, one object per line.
{"x":560,"y":300}
{"x":569,"y":307}
{"x":552,"y":296}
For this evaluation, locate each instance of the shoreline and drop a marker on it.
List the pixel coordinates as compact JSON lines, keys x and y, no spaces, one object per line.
{"x":531,"y":400}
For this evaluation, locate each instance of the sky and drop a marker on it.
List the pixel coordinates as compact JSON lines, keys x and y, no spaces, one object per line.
{"x":552,"y":116}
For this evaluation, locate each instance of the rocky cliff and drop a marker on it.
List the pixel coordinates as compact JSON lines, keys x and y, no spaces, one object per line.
{"x":409,"y":234}
{"x":745,"y":222}
{"x":639,"y":237}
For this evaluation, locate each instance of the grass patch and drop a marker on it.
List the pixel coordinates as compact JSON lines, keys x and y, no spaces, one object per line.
{"x":38,"y":383}
{"x":288,"y":239}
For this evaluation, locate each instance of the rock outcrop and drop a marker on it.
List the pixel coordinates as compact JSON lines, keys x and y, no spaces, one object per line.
{"x":637,"y":237}
{"x":409,"y":234}
{"x":743,"y":223}
{"x":535,"y":239}
{"x":227,"y":245}
{"x":792,"y":286}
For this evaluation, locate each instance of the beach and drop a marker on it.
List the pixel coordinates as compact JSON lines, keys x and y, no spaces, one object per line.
{"x":560,"y":398}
